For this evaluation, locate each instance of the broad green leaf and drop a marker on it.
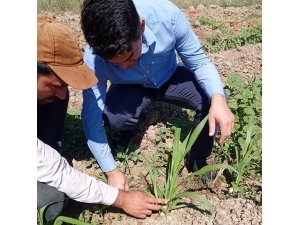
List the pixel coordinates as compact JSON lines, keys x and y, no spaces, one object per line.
{"x":41,"y":214}
{"x":171,"y":204}
{"x":42,"y":210}
{"x":196,"y":133}
{"x":212,"y":167}
{"x":59,"y":221}
{"x":197,"y":197}
{"x":157,"y":138}
{"x":154,"y":179}
{"x":185,"y":205}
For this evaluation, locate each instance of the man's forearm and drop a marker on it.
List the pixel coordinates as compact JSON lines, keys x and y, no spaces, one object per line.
{"x":209,"y":80}
{"x":55,"y":171}
{"x":103,"y":155}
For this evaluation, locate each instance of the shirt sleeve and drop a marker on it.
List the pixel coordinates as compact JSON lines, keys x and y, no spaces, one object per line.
{"x":55,"y":171}
{"x":93,"y":106}
{"x":194,"y":58}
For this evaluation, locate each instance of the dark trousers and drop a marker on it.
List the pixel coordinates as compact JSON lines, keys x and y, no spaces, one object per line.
{"x":50,"y":127}
{"x":125,"y":103}
{"x":47,"y":195}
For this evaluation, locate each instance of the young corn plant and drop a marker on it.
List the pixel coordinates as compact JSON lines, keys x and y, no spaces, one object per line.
{"x":171,"y":190}
{"x":244,"y":157}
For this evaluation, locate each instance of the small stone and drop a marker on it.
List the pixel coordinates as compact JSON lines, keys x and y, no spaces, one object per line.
{"x":200,"y":6}
{"x":192,"y":8}
{"x":248,"y":206}
{"x":196,"y":23}
{"x":243,"y":201}
{"x":258,"y":198}
{"x":234,"y":219}
{"x":222,"y":212}
{"x":228,"y":63}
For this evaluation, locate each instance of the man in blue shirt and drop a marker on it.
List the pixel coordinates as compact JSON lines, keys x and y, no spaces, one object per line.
{"x":133,"y":44}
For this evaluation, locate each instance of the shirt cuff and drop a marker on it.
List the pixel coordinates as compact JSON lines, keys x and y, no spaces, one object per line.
{"x":102,"y":154}
{"x":210,"y":81}
{"x":110,"y":196}
{"x":107,"y":164}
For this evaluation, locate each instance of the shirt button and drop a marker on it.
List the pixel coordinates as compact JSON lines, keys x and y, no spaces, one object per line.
{"x":153,"y":62}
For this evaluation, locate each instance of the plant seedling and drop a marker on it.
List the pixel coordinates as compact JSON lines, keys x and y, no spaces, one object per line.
{"x":171,"y":190}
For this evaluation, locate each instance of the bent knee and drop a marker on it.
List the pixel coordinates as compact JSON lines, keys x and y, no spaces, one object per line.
{"x":120,"y":122}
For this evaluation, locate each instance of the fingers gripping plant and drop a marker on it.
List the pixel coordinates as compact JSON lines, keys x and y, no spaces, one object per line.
{"x":171,"y":190}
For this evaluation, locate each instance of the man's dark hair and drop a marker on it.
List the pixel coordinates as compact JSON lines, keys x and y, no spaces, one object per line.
{"x":109,"y":26}
{"x":43,"y":69}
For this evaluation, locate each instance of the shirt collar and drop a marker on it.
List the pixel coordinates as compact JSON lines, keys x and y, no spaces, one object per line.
{"x":148,"y":39}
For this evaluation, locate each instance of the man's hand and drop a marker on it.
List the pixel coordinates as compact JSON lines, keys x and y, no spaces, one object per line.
{"x":138,"y":203}
{"x":117,"y":179}
{"x":219,"y":113}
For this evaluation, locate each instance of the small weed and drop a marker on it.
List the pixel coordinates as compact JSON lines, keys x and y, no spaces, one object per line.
{"x":243,"y":148}
{"x":128,"y":155}
{"x":86,"y":216}
{"x":74,"y":138}
{"x":205,"y":21}
{"x":161,"y":137}
{"x":217,"y":42}
{"x":245,"y":155}
{"x":253,"y":16}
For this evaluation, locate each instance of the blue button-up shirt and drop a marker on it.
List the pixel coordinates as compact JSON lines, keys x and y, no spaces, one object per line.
{"x":167,"y":32}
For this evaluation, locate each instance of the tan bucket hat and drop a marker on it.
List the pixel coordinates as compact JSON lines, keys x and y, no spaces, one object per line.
{"x":59,"y":49}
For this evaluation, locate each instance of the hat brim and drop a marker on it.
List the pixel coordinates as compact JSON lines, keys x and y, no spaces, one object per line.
{"x":77,"y":76}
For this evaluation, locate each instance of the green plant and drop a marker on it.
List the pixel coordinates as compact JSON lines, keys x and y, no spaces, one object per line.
{"x":214,"y":24}
{"x":245,"y":155}
{"x":86,"y":216}
{"x":59,"y":220}
{"x":171,"y":189}
{"x":63,"y":219}
{"x":161,"y":137}
{"x":128,"y":155}
{"x":253,"y":16}
{"x":74,"y":138}
{"x":218,"y":42}
{"x":243,"y":148}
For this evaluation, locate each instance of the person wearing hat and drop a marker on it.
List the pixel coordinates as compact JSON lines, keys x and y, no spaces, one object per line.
{"x":59,"y":64}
